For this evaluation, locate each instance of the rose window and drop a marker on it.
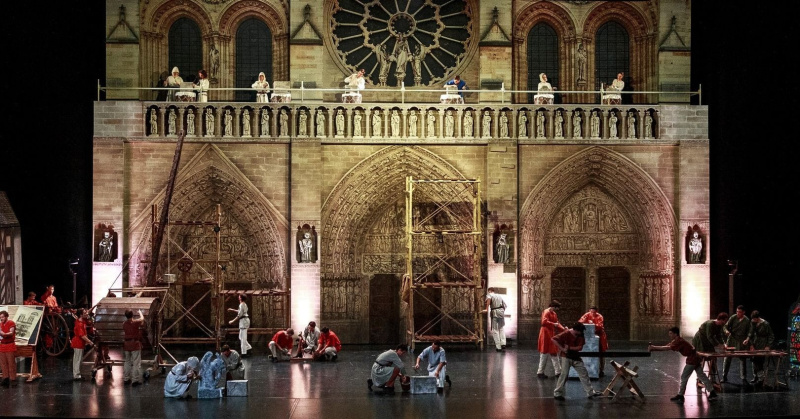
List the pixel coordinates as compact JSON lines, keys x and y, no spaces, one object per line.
{"x":419,"y":42}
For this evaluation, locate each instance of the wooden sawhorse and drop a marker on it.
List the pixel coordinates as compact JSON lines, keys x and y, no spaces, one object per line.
{"x":626,"y":376}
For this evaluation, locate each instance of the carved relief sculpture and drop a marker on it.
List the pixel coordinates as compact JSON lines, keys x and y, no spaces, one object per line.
{"x":522,"y":129}
{"x":648,"y":125}
{"x":376,"y":124}
{"x":431,"y":124}
{"x":576,"y":125}
{"x":581,"y":59}
{"x":487,"y":125}
{"x":503,"y":125}
{"x":502,"y":249}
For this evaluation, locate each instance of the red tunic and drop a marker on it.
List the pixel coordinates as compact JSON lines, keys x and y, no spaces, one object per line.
{"x":686,"y":349}
{"x":283,"y":340}
{"x":330,"y":340}
{"x":7,"y":343}
{"x":133,"y":335}
{"x":31,"y":303}
{"x":599,"y":328}
{"x":80,"y":330}
{"x":549,"y":328}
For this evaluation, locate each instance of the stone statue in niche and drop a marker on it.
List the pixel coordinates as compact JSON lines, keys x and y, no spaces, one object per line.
{"x":695,"y":248}
{"x":501,"y":249}
{"x":339,"y":123}
{"x":612,"y":125}
{"x":539,"y":124}
{"x":412,"y":124}
{"x":503,"y":125}
{"x":595,"y":125}
{"x":245,"y":122}
{"x":581,"y":58}
{"x":631,"y":125}
{"x":264,"y":123}
{"x":357,"y":124}
{"x":431,"y":124}
{"x":284,"y":119}
{"x":395,"y":123}
{"x":106,"y":244}
{"x":209,"y":123}
{"x":306,"y":244}
{"x":558,"y":128}
{"x":487,"y":125}
{"x":153,"y":122}
{"x":522,"y":129}
{"x":665,"y":300}
{"x":303,"y":124}
{"x":320,"y":123}
{"x":171,"y":123}
{"x":468,"y":129}
{"x":190,"y":123}
{"x":376,"y":124}
{"x":228,"y":123}
{"x":576,"y":125}
{"x":449,"y":124}
{"x":648,"y":125}
{"x":384,"y":62}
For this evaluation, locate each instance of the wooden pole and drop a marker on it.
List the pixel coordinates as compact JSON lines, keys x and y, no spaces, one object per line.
{"x":158,"y":234}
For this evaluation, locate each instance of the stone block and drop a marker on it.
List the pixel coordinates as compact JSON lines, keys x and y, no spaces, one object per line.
{"x":423,"y":384}
{"x":205,"y":393}
{"x":237,"y":388}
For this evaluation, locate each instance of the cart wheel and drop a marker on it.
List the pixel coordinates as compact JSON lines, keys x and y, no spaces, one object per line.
{"x":55,"y":335}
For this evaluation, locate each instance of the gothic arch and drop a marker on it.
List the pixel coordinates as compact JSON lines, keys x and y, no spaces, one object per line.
{"x":560,"y":20}
{"x":357,"y":205}
{"x":620,"y":178}
{"x":165,"y":14}
{"x":210,"y":178}
{"x":641,"y":27}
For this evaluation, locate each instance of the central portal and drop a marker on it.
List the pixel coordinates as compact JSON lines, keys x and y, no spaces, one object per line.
{"x":384,"y":307}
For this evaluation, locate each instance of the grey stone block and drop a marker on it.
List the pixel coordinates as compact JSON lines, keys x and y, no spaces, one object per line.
{"x":423,"y":384}
{"x":237,"y":388}
{"x":205,"y":393}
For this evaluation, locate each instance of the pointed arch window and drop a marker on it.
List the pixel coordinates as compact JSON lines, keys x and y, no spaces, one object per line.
{"x":542,"y":57}
{"x":185,"y":48}
{"x":253,"y":55}
{"x":612,"y":55}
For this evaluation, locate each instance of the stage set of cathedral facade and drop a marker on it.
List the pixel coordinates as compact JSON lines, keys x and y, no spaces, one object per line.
{"x":318,"y":206}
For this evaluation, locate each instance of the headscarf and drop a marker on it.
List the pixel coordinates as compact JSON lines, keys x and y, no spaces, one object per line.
{"x":175,"y":70}
{"x":541,"y":77}
{"x":262,"y":74}
{"x":193,"y":362}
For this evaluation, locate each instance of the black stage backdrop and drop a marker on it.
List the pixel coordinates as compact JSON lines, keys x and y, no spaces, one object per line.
{"x":742,"y":55}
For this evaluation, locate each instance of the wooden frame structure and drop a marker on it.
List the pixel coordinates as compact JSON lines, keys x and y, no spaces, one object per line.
{"x":458,"y":201}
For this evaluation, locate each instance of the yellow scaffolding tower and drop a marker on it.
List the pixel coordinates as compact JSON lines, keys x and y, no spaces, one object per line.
{"x":449,"y":212}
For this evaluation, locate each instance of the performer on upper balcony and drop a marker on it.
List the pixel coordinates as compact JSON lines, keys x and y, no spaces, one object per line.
{"x":262,"y":85}
{"x":460,"y":84}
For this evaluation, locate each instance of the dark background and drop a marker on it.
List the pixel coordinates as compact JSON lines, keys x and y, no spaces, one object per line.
{"x":743,"y":55}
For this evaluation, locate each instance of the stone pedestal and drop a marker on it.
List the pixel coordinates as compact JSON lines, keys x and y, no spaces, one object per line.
{"x":237,"y":388}
{"x":423,"y":384}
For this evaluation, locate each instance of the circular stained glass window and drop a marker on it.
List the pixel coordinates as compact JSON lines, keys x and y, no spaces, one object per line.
{"x":419,"y":42}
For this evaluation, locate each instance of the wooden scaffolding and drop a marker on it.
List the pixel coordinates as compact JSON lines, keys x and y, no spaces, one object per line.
{"x":447,"y":213}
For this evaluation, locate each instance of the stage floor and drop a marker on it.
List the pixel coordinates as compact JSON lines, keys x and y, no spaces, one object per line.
{"x":486,"y":384}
